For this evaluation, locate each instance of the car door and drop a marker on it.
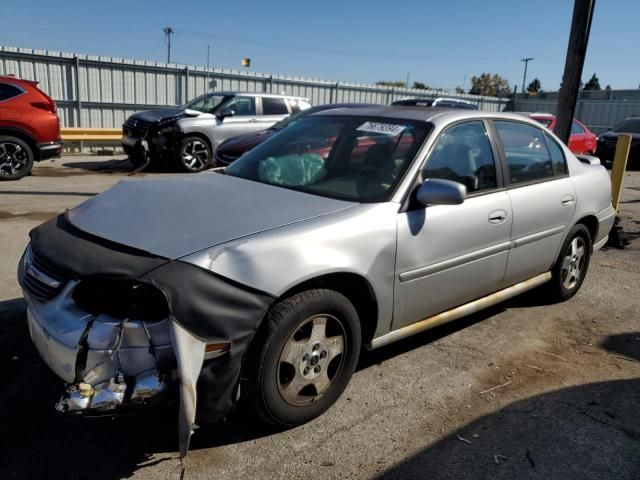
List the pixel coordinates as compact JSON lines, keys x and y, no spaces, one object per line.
{"x":451,"y":254}
{"x":274,"y":109}
{"x":244,"y":118}
{"x":542,"y":197}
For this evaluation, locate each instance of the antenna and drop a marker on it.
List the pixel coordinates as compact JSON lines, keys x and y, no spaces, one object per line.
{"x":168,"y":31}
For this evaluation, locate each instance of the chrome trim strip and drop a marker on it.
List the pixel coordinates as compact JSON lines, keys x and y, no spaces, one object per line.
{"x":454,"y":262}
{"x":458,"y":312}
{"x":519,"y":242}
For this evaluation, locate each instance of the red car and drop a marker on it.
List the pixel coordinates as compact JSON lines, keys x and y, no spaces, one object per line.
{"x":29,"y":127}
{"x":581,"y":140}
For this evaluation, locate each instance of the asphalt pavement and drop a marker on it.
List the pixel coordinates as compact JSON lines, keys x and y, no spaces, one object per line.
{"x":524,"y":390}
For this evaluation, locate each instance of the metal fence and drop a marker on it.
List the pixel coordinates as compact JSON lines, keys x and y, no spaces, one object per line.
{"x":101,"y":92}
{"x":598,"y":115}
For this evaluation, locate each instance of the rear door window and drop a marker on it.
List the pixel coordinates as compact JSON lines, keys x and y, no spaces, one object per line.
{"x":525,"y":150}
{"x":557,"y":156}
{"x":274,"y":106}
{"x":8,"y":91}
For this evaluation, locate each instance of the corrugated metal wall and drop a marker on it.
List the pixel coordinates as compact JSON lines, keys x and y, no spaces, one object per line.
{"x":598,"y":115}
{"x":101,"y":92}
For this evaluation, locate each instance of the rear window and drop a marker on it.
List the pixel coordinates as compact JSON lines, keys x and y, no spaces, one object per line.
{"x":8,"y":91}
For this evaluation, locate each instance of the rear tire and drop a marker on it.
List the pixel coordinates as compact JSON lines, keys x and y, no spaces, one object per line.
{"x":570,"y":269}
{"x":16,"y":158}
{"x":303,"y":357}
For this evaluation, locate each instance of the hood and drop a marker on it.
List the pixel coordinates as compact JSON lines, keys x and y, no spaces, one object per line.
{"x":236,"y":146}
{"x":178,"y":215}
{"x":157,"y":115}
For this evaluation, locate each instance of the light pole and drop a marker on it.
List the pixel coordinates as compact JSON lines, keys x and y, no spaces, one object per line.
{"x":168,"y":31}
{"x":524,"y":77}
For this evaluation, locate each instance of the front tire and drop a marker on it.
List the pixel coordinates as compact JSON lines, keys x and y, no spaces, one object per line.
{"x":571,"y":267}
{"x":193,"y":155}
{"x":303,"y":358}
{"x":16,"y":158}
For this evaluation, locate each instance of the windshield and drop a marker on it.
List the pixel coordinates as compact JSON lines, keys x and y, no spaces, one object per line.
{"x":630,"y":125}
{"x":353,"y":158}
{"x":205,"y":103}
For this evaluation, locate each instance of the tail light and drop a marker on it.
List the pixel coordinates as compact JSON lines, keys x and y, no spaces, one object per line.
{"x":49,"y":106}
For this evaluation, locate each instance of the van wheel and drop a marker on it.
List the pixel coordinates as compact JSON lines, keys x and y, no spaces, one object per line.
{"x":571,"y":267}
{"x":194,"y":154}
{"x":16,"y":158}
{"x":303,"y":358}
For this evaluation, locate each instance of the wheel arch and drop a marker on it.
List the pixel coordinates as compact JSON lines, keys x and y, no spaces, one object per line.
{"x":358,"y":291}
{"x":24,"y":136}
{"x":592,"y":224}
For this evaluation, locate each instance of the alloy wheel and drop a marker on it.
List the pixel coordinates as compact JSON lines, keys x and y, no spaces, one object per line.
{"x":311,"y":359}
{"x":573,"y":263}
{"x":13,"y":158}
{"x":195,"y":155}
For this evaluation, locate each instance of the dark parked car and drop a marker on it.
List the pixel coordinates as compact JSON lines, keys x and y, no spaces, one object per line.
{"x":606,"y":146}
{"x":230,"y":150}
{"x":435,"y":102}
{"x":29,"y":127}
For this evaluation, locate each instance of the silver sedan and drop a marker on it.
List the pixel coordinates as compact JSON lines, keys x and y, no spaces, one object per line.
{"x":353,"y":227}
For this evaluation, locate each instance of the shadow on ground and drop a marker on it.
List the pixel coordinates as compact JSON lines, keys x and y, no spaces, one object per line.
{"x":112,"y":165}
{"x":587,"y":432}
{"x":563,"y":434}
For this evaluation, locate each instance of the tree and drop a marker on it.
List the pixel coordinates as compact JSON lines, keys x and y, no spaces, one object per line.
{"x":593,"y":83}
{"x":489,"y":85}
{"x":459,"y":90}
{"x":420,"y":85}
{"x":392,"y":83}
{"x":534,"y":86}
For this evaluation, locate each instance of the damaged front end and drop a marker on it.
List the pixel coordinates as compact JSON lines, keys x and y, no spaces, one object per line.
{"x":126,"y":329}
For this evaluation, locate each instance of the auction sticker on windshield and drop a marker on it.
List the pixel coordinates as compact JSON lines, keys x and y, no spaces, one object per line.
{"x":385,"y":128}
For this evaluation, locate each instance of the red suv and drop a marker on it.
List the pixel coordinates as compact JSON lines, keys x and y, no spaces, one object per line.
{"x":29,"y":127}
{"x":581,"y":140}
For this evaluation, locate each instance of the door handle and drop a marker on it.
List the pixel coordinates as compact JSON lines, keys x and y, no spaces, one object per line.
{"x":253,"y":120}
{"x":497,"y":216}
{"x":567,"y":200}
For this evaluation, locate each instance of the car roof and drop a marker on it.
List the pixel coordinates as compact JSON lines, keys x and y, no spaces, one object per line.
{"x":259,"y":94}
{"x":425,"y":114}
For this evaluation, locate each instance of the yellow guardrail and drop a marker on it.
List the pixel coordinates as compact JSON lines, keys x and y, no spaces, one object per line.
{"x":91,"y":134}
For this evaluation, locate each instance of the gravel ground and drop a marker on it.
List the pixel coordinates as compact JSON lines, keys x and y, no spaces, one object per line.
{"x":523,"y":390}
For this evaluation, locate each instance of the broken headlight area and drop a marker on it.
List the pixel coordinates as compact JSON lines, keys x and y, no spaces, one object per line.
{"x":121,"y":299}
{"x":110,"y":341}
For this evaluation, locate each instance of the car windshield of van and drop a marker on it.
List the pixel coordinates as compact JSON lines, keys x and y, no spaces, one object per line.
{"x":205,"y":103}
{"x":353,"y":158}
{"x":630,"y":125}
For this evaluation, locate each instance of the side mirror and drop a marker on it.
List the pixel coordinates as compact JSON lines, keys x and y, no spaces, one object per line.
{"x":226,"y":112}
{"x":436,"y":191}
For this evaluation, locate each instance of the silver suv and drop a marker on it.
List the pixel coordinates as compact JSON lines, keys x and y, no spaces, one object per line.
{"x":188,"y":134}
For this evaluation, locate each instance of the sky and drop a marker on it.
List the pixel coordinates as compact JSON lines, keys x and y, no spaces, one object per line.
{"x":440,"y":43}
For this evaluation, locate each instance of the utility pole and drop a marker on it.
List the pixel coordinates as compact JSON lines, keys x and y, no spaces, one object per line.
{"x":168,"y":31}
{"x":524,"y":77}
{"x":576,"y":51}
{"x":407,"y":83}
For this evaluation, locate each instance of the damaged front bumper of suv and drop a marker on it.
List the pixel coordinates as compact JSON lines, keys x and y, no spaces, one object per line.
{"x":127,"y":329}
